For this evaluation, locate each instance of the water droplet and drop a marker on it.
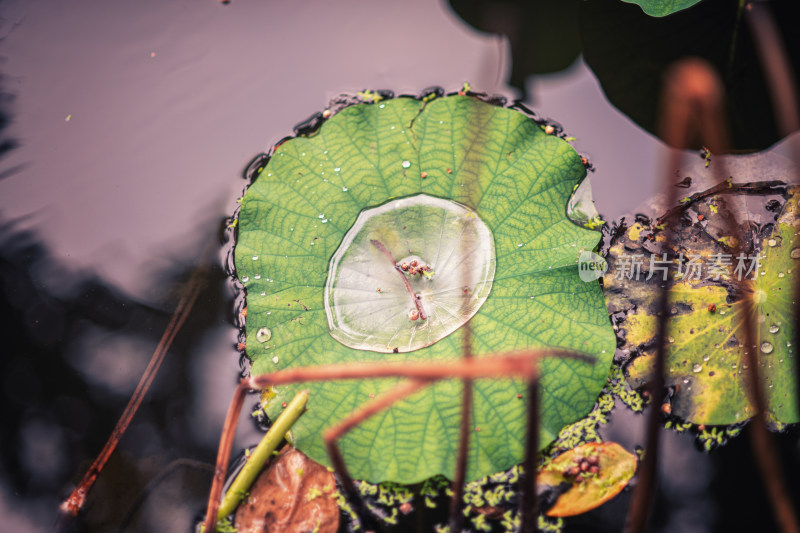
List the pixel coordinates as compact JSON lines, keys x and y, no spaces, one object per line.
{"x":781,"y":274}
{"x":766,"y":347}
{"x":344,"y":189}
{"x":671,"y":339}
{"x":685,"y":381}
{"x":706,"y":357}
{"x":263,"y":293}
{"x":324,"y":220}
{"x":337,"y":169}
{"x":772,"y":242}
{"x":519,"y":245}
{"x":795,"y":253}
{"x":407,"y":164}
{"x":257,"y":276}
{"x":255,"y":258}
{"x":320,"y":216}
{"x":245,"y":279}
{"x":275,"y":359}
{"x":697,"y":368}
{"x":774,"y":328}
{"x":263,"y":335}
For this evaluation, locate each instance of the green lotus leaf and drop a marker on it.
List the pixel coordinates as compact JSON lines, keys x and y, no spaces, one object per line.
{"x":474,"y":194}
{"x":705,"y":364}
{"x":662,"y":8}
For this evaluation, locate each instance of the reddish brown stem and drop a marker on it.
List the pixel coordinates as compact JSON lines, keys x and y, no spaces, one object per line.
{"x":775,"y":61}
{"x":529,"y":506}
{"x":332,"y":434}
{"x":456,"y":516}
{"x":783,"y":90}
{"x":726,"y":188}
{"x":368,"y":523}
{"x":379,"y":245}
{"x":384,"y":401}
{"x":223,"y":455}
{"x":778,"y":70}
{"x":520,"y":364}
{"x":74,"y":503}
{"x":692,"y":93}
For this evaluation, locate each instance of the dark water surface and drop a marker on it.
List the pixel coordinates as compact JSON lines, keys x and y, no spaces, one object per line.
{"x":126,"y":126}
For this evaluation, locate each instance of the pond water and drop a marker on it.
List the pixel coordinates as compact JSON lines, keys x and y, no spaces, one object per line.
{"x":126,"y":129}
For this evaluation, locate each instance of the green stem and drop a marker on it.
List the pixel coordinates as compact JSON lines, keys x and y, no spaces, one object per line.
{"x":258,"y":458}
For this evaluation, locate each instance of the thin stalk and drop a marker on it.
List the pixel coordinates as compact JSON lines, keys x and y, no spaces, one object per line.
{"x":516,"y":364}
{"x":783,"y":91}
{"x":382,"y":402}
{"x":223,"y":455}
{"x":520,"y":364}
{"x":529,"y":506}
{"x":263,"y":451}
{"x":379,"y":245}
{"x":456,"y":520}
{"x":332,"y":434}
{"x":725,"y":188}
{"x":777,"y":69}
{"x":692,"y":93}
{"x":350,"y":490}
{"x":70,"y":507}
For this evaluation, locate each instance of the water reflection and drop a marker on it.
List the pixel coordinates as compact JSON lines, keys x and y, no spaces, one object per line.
{"x":70,"y":362}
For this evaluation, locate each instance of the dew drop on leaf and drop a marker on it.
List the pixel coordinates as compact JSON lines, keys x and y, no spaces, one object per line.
{"x":263,"y":335}
{"x":766,"y":347}
{"x":774,"y":328}
{"x":697,"y":368}
{"x":795,"y":253}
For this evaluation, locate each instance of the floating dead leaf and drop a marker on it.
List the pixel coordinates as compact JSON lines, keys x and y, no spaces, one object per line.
{"x":596,"y":471}
{"x":294,"y":494}
{"x":707,"y":311}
